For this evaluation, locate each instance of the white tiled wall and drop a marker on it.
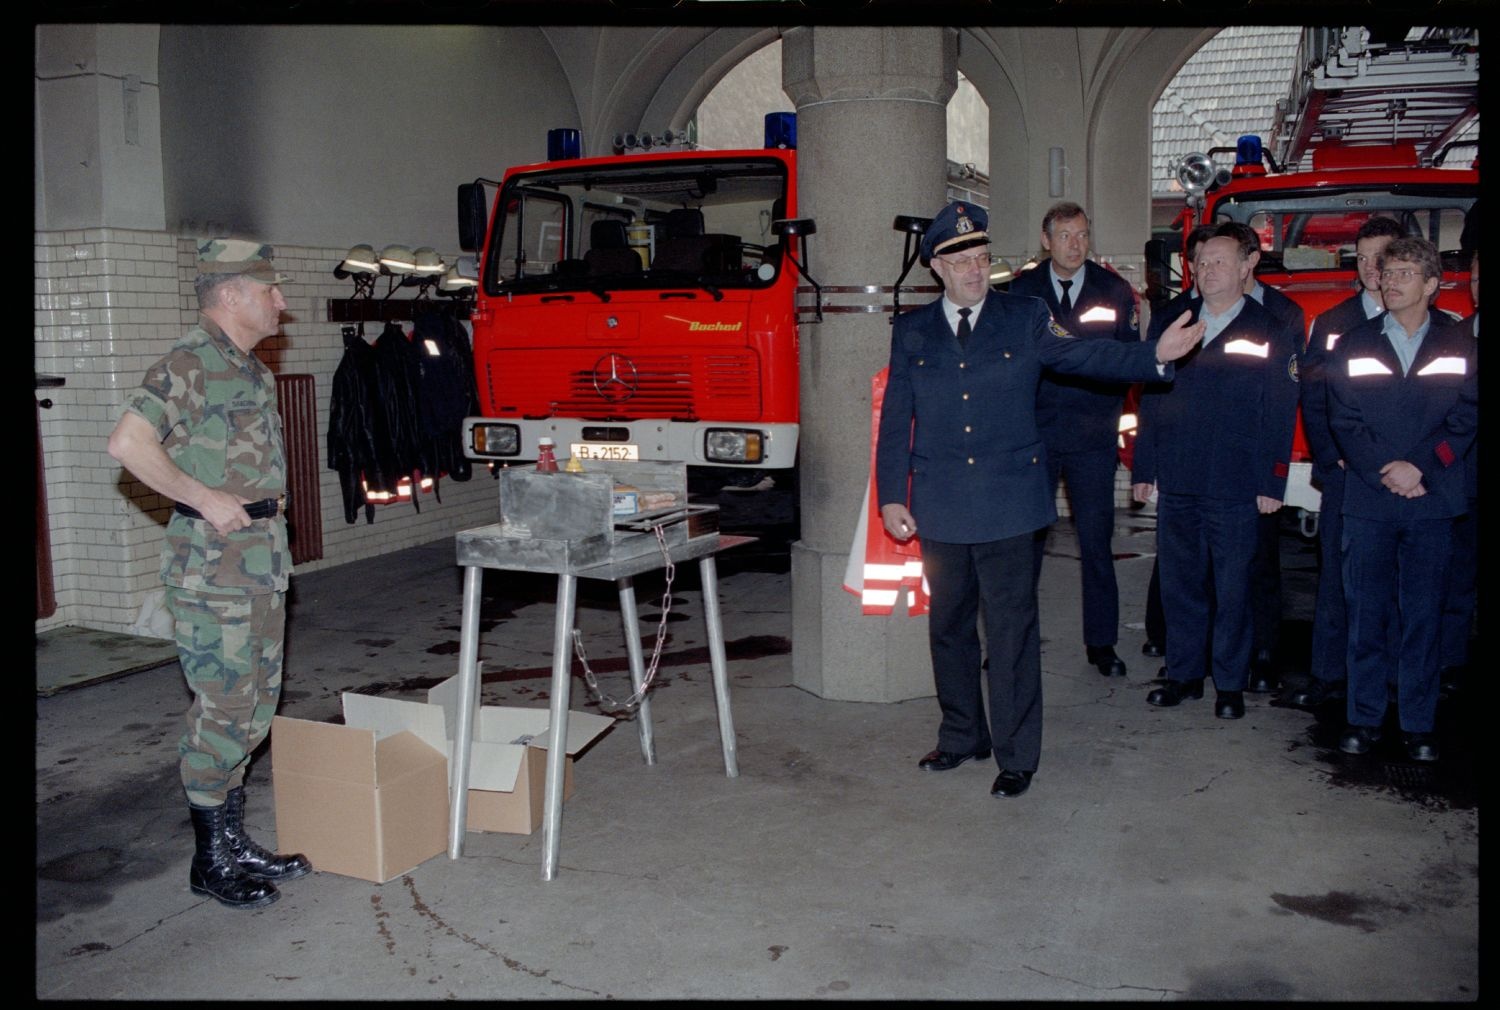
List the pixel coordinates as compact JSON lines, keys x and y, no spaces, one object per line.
{"x":108,"y":303}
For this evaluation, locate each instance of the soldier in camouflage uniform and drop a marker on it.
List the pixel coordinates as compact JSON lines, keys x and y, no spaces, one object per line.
{"x":203,"y":430}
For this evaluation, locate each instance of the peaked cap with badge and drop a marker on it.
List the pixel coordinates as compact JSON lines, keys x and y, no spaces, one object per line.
{"x":957,"y":226}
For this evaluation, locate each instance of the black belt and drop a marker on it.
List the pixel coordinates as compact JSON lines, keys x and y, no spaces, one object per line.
{"x":266,"y":508}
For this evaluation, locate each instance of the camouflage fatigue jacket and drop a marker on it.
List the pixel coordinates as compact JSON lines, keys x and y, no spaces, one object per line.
{"x":214,"y":408}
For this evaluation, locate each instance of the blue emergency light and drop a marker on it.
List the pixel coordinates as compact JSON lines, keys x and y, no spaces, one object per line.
{"x":1247,"y":150}
{"x":563,"y":143}
{"x":781,"y":130}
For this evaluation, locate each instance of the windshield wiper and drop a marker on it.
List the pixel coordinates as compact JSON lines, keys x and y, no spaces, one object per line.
{"x":693,"y":281}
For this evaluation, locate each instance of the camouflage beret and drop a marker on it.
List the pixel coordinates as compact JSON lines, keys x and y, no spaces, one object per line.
{"x":239,"y":256}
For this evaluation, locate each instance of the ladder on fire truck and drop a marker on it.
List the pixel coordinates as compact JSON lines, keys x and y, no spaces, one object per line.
{"x":1354,"y":87}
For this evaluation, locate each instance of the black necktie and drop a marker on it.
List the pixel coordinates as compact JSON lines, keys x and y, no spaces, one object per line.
{"x":963,"y":327}
{"x":1067,"y":303}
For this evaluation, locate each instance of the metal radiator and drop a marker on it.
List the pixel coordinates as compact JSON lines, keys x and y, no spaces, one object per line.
{"x":299,"y":425}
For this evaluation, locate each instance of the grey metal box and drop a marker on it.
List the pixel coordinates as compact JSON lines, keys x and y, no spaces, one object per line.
{"x":566,"y":505}
{"x":563,"y":522}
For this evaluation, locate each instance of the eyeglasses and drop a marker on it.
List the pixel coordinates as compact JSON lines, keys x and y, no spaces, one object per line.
{"x":1402,"y":274}
{"x":979,"y":260}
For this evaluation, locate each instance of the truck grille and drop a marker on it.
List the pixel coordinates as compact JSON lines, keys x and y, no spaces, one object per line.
{"x":721,"y":386}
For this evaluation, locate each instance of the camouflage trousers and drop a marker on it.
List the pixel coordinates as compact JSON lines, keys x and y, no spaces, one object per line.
{"x":230,"y":650}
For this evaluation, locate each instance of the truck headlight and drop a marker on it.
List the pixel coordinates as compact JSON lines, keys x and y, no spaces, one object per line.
{"x":733,"y":445}
{"x":497,"y":439}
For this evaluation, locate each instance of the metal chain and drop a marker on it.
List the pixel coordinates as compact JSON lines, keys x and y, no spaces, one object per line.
{"x":634,"y":701}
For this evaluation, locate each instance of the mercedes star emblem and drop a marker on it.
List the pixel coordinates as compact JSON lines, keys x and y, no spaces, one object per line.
{"x":615,"y":378}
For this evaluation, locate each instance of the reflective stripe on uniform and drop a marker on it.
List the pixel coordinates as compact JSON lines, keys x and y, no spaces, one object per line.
{"x":1367,"y":366}
{"x":1249,"y":347}
{"x":1445,"y":366}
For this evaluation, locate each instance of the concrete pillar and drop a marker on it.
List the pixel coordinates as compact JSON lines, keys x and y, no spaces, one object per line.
{"x":98,"y":160}
{"x":872,"y":144}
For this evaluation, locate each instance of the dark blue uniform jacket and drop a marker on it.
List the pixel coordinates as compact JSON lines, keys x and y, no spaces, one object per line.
{"x":1283,"y":309}
{"x":1223,"y":428}
{"x":1334,"y":323}
{"x":1075,"y":413}
{"x":1427,"y":418}
{"x":962,"y":424}
{"x":1183,"y":301}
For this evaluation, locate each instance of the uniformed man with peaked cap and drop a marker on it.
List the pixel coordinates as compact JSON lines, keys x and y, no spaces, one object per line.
{"x":960,"y":461}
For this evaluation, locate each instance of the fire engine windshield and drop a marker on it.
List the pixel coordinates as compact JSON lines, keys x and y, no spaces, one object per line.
{"x":1314,"y":229}
{"x":700,"y":222}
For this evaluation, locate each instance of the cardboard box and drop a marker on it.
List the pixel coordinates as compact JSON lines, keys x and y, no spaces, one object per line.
{"x":517,"y":811}
{"x":369,"y":798}
{"x":508,"y":759}
{"x":361,"y":800}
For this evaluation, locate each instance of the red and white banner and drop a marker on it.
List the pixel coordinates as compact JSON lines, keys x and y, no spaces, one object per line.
{"x":882,"y":568}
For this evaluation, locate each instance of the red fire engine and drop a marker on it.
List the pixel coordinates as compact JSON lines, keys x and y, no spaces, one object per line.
{"x":640,"y":306}
{"x":1364,"y":133}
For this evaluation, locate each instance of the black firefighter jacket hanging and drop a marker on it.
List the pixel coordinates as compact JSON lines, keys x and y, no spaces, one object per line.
{"x":397,"y":411}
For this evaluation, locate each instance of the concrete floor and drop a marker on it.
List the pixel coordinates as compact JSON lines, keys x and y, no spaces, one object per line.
{"x":1160,"y":854}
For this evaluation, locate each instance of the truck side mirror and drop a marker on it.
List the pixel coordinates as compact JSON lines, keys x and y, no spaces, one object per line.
{"x":799,"y":228}
{"x":793,"y":226}
{"x":1160,"y":284}
{"x":911,"y":224}
{"x":473,"y":216}
{"x":912,"y":229}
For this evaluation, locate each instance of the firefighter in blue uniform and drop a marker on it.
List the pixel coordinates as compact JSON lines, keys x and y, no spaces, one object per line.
{"x":1265,"y":569}
{"x":1463,"y":562}
{"x":1403,"y":401}
{"x":1079,"y":418}
{"x":958,"y":451}
{"x":1215,"y":445}
{"x":1185,"y":301}
{"x":1330,"y":628}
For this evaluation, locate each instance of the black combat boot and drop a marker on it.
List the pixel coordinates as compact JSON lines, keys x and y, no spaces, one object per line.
{"x":253,"y":858}
{"x":214,"y":871}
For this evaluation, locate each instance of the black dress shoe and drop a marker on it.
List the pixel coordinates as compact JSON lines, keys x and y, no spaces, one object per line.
{"x":1009,"y":785}
{"x":1262,"y":679}
{"x":1153,"y":650}
{"x":1315,"y":692}
{"x":1359,"y":739}
{"x":1173,"y":692}
{"x":1103,"y":657}
{"x":1421,"y":747}
{"x":1230,"y":705}
{"x":943,"y":760}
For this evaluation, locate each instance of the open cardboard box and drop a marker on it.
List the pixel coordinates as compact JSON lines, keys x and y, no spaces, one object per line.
{"x":369,"y":798}
{"x":508,"y":759}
